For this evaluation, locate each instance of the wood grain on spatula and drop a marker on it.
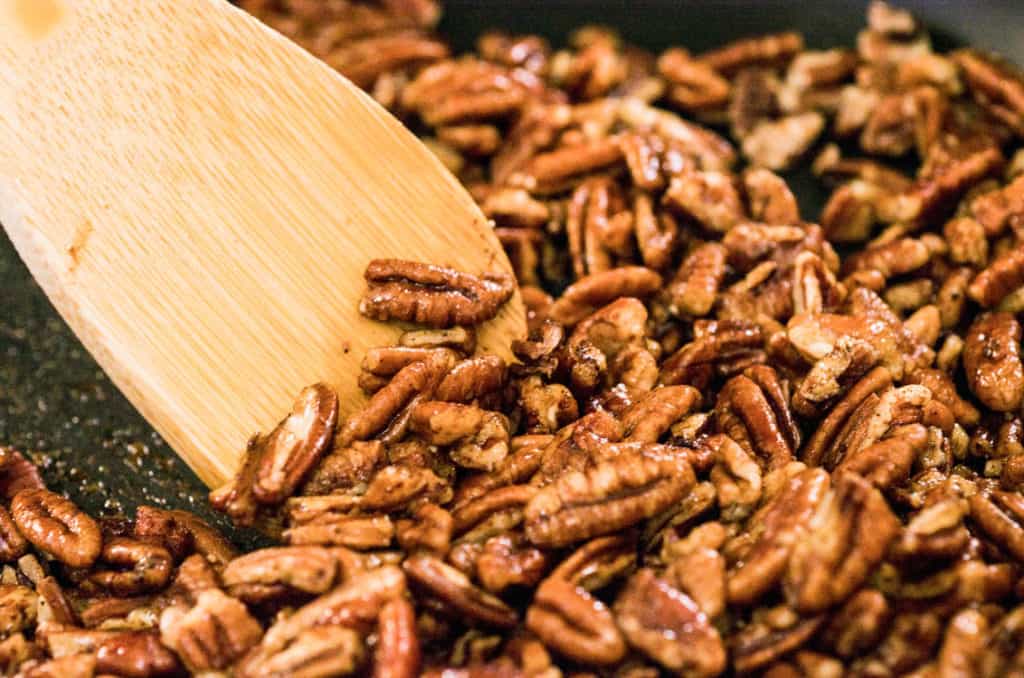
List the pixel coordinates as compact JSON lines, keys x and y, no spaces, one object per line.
{"x":199,"y":198}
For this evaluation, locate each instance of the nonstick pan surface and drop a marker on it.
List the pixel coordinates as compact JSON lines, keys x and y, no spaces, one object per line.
{"x":55,"y":402}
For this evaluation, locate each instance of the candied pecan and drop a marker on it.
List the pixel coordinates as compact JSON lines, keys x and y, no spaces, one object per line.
{"x":1004,"y":275}
{"x":598,"y":562}
{"x":776,"y":144}
{"x":363,"y":61}
{"x":205,"y":539}
{"x":479,"y":438}
{"x":18,"y":609}
{"x":345,"y":467}
{"x":759,"y":644}
{"x":997,"y":209}
{"x":548,"y":407}
{"x":754,"y":99}
{"x":469,"y":89}
{"x":766,"y":50}
{"x":390,"y":406}
{"x":1000,"y":515}
{"x":357,"y":532}
{"x":995,"y":84}
{"x":693,"y":290}
{"x":574,"y":623}
{"x":148,"y":567}
{"x":893,"y":258}
{"x":309,"y":569}
{"x":769,"y":199}
{"x":778,"y":525}
{"x":609,"y":497}
{"x":591,"y":226}
{"x":508,"y":560}
{"x":737,"y":479}
{"x":455,"y":589}
{"x":711,"y":151}
{"x":588,"y":294}
{"x":944,"y":390}
{"x":753,"y":410}
{"x":657,"y":234}
{"x":294,"y":447}
{"x":666,"y":625}
{"x":471,"y":379}
{"x":858,"y":625}
{"x":56,"y":526}
{"x":430,"y":530}
{"x":476,"y":511}
{"x":693,"y":85}
{"x":432,"y":295}
{"x":211,"y":635}
{"x":845,"y":539}
{"x":1002,"y":655}
{"x":17,"y":473}
{"x":992,"y":361}
{"x":12,"y":544}
{"x":719,"y":341}
{"x":397,"y":654}
{"x":319,"y":651}
{"x":551,"y":172}
{"x":885,"y":463}
{"x":709,"y":198}
{"x":654,"y":413}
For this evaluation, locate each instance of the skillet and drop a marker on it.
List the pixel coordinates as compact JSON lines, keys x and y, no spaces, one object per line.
{"x":55,"y":402}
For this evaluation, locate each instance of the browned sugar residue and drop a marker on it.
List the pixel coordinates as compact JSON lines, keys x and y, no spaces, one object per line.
{"x":38,"y":17}
{"x":77,"y":244}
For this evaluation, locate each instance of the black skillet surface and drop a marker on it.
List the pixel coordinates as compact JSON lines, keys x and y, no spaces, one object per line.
{"x":57,"y":405}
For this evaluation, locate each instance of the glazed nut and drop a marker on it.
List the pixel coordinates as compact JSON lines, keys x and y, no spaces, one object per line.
{"x":57,"y":527}
{"x":309,"y":569}
{"x":217,"y":631}
{"x":992,"y":360}
{"x":141,"y":567}
{"x":575,"y":623}
{"x":431,"y":295}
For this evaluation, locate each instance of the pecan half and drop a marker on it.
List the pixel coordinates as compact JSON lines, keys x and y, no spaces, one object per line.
{"x":992,"y":361}
{"x":56,"y":526}
{"x":432,"y":295}
{"x":575,"y":624}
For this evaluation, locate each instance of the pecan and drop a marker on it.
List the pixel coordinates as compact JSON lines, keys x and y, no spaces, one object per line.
{"x":598,"y":562}
{"x":546,"y":408}
{"x":148,"y":567}
{"x":57,"y":527}
{"x":666,"y":625}
{"x":451,"y":92}
{"x":761,"y":643}
{"x":430,"y":530}
{"x":654,"y":413}
{"x":737,"y":479}
{"x":997,"y":209}
{"x":594,"y":228}
{"x":609,"y":497}
{"x":710,"y":199}
{"x":508,"y":560}
{"x":995,"y":84}
{"x":452,"y":587}
{"x":318,"y":651}
{"x":1004,"y":275}
{"x":575,"y":624}
{"x":753,"y":410}
{"x":390,"y":406}
{"x":830,"y":376}
{"x":551,"y":172}
{"x":858,"y":625}
{"x":398,"y":649}
{"x":477,"y":511}
{"x":354,"y":532}
{"x":992,"y":360}
{"x":845,"y":539}
{"x":762,"y":50}
{"x":700,"y":573}
{"x":693,"y":290}
{"x":211,"y":635}
{"x":298,"y":442}
{"x":711,"y":151}
{"x":999,"y":515}
{"x":472,"y":379}
{"x":893,"y":258}
{"x":769,"y":199}
{"x":754,"y":99}
{"x":776,"y":144}
{"x":657,"y":234}
{"x":779,"y":524}
{"x":944,"y":390}
{"x":205,"y":540}
{"x":886,"y":463}
{"x":1002,"y":654}
{"x":693,"y":85}
{"x":432,"y":295}
{"x":478,"y":438}
{"x":588,"y":294}
{"x":309,"y":569}
{"x":719,"y":341}
{"x":12,"y":544}
{"x":345,"y":467}
{"x":515,"y":207}
{"x":364,"y":61}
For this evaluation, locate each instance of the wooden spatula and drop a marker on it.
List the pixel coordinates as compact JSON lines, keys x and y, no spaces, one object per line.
{"x":199,"y":198}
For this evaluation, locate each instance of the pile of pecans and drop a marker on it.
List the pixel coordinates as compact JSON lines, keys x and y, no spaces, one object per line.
{"x":725,"y":448}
